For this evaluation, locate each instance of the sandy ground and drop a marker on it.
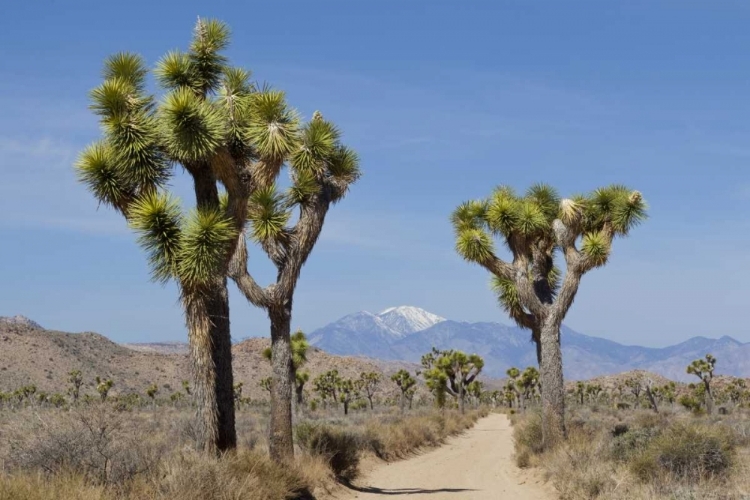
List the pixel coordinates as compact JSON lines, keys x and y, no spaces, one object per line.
{"x":474,"y":466}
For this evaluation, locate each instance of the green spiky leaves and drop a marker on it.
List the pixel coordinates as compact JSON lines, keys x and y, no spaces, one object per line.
{"x":474,"y":245}
{"x":469,"y":215}
{"x":268,"y":214}
{"x":176,"y":70}
{"x":193,"y":128}
{"x":318,"y":140}
{"x":191,"y":249}
{"x":158,"y":219}
{"x":210,"y":37}
{"x":273,"y":127}
{"x":128,"y":67}
{"x":97,"y":169}
{"x":507,"y":295}
{"x":596,"y":248}
{"x":204,"y":245}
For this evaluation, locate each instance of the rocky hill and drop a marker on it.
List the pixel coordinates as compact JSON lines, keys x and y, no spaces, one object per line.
{"x":502,"y":346}
{"x":32,"y":355}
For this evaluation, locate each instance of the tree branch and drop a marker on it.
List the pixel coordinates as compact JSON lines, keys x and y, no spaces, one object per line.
{"x":253,"y":292}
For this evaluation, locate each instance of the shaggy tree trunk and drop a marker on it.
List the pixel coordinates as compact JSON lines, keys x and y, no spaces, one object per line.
{"x":402,"y":401}
{"x":652,"y":400}
{"x":461,"y":397}
{"x":709,"y":399}
{"x":211,"y":357}
{"x":553,"y":395}
{"x":346,"y":407}
{"x":300,"y":395}
{"x":370,"y":399}
{"x":280,"y":444}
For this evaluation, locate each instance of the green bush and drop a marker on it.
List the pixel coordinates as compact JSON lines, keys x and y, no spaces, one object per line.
{"x":688,"y":452}
{"x":340,"y":448}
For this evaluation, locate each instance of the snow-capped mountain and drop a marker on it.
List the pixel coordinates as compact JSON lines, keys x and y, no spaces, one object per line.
{"x":406,"y":333}
{"x":408,"y":319}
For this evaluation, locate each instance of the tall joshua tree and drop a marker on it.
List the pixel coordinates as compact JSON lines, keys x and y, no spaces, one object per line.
{"x":322,"y":170}
{"x":225,"y":132}
{"x":369,"y":383}
{"x":535,"y":227}
{"x":704,"y":370}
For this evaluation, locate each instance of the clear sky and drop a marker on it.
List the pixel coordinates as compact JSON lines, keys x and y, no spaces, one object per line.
{"x":443,"y":100}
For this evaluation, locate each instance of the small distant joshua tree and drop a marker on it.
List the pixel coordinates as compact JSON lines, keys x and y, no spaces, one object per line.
{"x":669,"y":392}
{"x":635,"y":384}
{"x":348,"y":392}
{"x":103,"y":387}
{"x":513,"y":373}
{"x":536,"y":228}
{"x":300,"y":347}
{"x":593,"y":391}
{"x":186,"y":387}
{"x":405,"y":382}
{"x":452,"y":371}
{"x":652,"y":392}
{"x":369,"y":383}
{"x":151,"y":391}
{"x":237,"y":391}
{"x":704,"y":370}
{"x":327,"y":385}
{"x":580,"y":392}
{"x":265,"y":383}
{"x":737,"y":391}
{"x":75,"y":378}
{"x":527,"y":384}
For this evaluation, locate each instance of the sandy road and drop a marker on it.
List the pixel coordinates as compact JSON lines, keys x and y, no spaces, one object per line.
{"x":474,"y":466}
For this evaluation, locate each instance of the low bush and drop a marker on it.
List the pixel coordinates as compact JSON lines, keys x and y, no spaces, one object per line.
{"x":339,"y":448}
{"x":690,"y":452}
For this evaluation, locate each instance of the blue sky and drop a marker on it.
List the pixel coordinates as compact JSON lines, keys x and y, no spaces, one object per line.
{"x":443,"y":100}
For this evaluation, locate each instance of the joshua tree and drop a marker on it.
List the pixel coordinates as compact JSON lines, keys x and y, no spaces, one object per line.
{"x":651,"y":393}
{"x":736,"y":390}
{"x":513,"y":374}
{"x":348,"y":391}
{"x":409,"y":394}
{"x":266,"y":383}
{"x":186,"y":387}
{"x":75,"y":378}
{"x":527,"y":384}
{"x":300,"y":379}
{"x":151,"y":392}
{"x":635,"y":385}
{"x":534,"y":228}
{"x":327,"y":385}
{"x":704,"y":370}
{"x":593,"y":391}
{"x":237,"y":391}
{"x":202,"y":124}
{"x":103,"y":387}
{"x":580,"y":391}
{"x":668,"y":392}
{"x":322,"y":170}
{"x":369,"y":383}
{"x":405,"y":382}
{"x":474,"y":390}
{"x":453,"y":370}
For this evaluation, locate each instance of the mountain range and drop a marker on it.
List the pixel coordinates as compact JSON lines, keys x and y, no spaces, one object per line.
{"x":405,"y":333}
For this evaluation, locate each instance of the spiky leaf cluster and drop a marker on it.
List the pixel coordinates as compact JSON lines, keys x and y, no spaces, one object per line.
{"x":703,"y":368}
{"x":534,"y":227}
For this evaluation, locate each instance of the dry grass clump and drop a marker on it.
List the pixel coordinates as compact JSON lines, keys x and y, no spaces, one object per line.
{"x":387,"y":438}
{"x":104,"y":452}
{"x":639,"y":455}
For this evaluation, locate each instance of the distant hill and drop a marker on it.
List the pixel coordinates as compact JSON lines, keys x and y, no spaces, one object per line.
{"x":503,"y":346}
{"x":32,"y":355}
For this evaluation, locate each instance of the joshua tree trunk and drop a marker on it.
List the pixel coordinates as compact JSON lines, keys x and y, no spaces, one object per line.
{"x":370,"y":399}
{"x":553,"y":395}
{"x":281,"y":446}
{"x":461,"y":397}
{"x":652,"y":400}
{"x":709,"y":398}
{"x":299,"y":390}
{"x":211,"y":355}
{"x":346,"y":407}
{"x":402,"y":402}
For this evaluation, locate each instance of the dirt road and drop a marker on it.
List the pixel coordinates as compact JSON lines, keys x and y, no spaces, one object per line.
{"x":474,"y":466}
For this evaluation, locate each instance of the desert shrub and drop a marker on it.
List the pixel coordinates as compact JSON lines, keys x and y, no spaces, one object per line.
{"x":631,"y":442}
{"x":95,"y":441}
{"x":527,"y":434}
{"x":339,"y":448}
{"x":690,"y":403}
{"x":689,"y":452}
